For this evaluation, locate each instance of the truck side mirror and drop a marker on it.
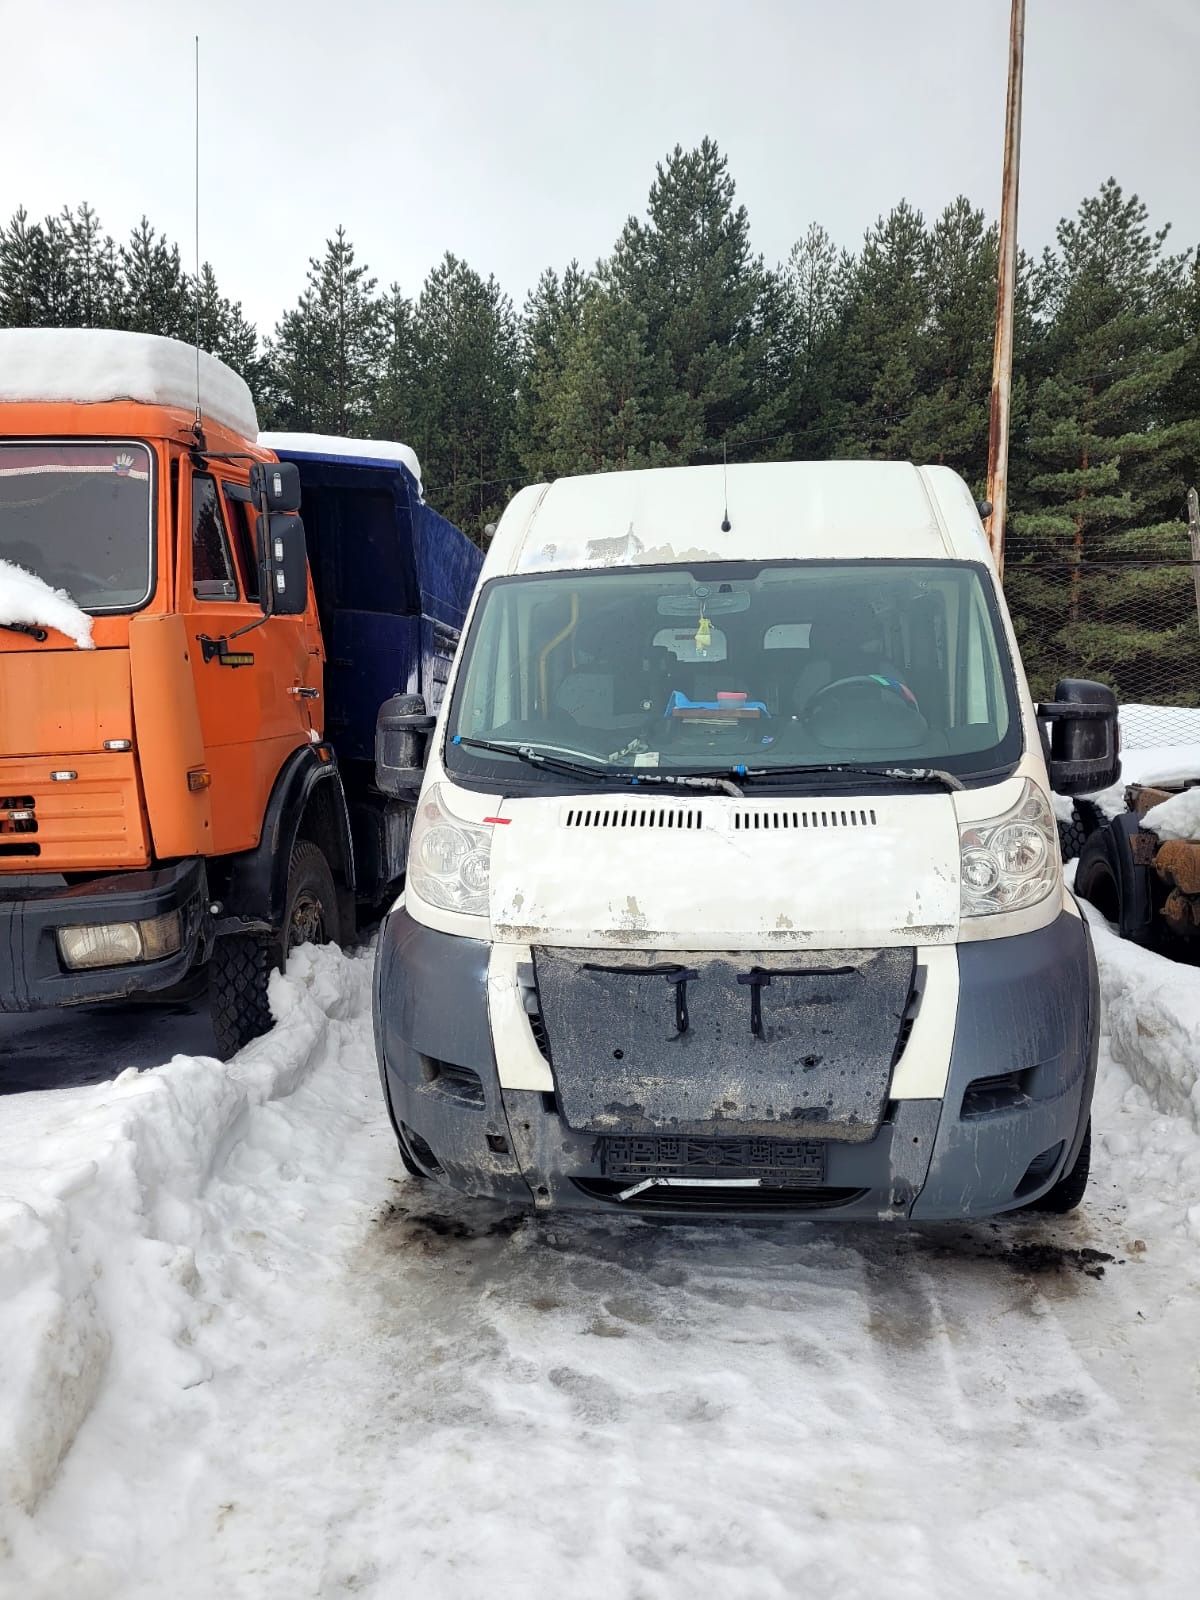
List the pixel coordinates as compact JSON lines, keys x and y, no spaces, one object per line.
{"x":276,"y":482}
{"x":1082,"y":737}
{"x":401,"y":732}
{"x":284,"y":565}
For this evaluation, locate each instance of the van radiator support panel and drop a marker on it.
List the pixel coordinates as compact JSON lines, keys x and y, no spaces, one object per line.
{"x":778,"y":1046}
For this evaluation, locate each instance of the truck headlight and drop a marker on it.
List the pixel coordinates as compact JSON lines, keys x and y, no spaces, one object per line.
{"x":1011,"y":861}
{"x":449,"y":860}
{"x":116,"y":944}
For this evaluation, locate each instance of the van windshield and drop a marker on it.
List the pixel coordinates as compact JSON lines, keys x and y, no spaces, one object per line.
{"x":704,"y":669}
{"x":79,"y":517}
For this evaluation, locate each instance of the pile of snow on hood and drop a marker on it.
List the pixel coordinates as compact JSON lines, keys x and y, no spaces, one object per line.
{"x":90,"y":366}
{"x":24,"y":597}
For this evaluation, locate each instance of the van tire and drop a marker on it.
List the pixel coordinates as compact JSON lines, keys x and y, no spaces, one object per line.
{"x":1068,"y":1191}
{"x":240,"y":970}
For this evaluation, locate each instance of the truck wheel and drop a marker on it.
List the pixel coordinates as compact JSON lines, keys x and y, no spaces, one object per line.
{"x":242,"y":963}
{"x":1068,"y":1191}
{"x":1086,"y":817}
{"x":1097,"y":879}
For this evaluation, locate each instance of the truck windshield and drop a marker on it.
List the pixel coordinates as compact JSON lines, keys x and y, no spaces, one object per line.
{"x":79,"y":517}
{"x":708,"y":669}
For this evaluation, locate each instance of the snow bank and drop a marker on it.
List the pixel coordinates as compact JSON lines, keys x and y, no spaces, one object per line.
{"x":328,"y":444}
{"x":94,"y":365}
{"x":102,"y":1218}
{"x":1152,"y":1017}
{"x":24,"y":597}
{"x":1176,"y":818}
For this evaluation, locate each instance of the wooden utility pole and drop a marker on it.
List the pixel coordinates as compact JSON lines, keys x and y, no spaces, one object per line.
{"x":997,"y":484}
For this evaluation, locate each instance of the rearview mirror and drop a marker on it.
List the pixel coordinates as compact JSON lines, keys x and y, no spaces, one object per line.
{"x":277,"y":482}
{"x":1082,"y":737}
{"x":401,"y":734}
{"x":285,"y":565}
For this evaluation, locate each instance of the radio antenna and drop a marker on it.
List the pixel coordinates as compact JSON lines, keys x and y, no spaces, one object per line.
{"x":726,"y":525}
{"x":198,"y":427}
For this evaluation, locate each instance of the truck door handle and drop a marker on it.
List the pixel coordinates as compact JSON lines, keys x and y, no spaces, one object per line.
{"x":304,"y":691}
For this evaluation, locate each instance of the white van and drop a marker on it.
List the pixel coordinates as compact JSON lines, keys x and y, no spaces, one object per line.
{"x":734,"y":885}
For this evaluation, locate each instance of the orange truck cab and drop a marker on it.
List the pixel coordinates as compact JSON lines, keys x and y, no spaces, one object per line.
{"x":171,"y":801}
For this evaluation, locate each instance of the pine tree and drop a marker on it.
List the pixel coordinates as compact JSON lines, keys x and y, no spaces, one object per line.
{"x":886,"y":306}
{"x":323,"y":363}
{"x":396,"y":406}
{"x":22,"y":272}
{"x":467,"y":366}
{"x":688,"y":271}
{"x":813,"y":285}
{"x":93,"y":281}
{"x":552,"y":317}
{"x":153,"y":287}
{"x":222,"y":328}
{"x":1105,"y":488}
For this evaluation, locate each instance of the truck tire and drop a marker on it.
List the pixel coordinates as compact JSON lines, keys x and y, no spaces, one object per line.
{"x":242,"y":963}
{"x":1086,"y":817}
{"x":1098,"y":879}
{"x":1068,"y":1191}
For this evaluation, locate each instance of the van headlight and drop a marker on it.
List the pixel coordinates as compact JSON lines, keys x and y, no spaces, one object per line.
{"x":1011,"y":861}
{"x":448,"y":859}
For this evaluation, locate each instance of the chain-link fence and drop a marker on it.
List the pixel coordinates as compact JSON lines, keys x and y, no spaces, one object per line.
{"x":1132,"y":624}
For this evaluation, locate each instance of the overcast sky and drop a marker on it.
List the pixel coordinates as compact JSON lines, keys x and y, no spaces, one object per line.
{"x":522,"y":132}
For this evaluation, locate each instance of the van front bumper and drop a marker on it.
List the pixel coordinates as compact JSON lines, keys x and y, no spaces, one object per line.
{"x":33,"y":976}
{"x":1009,"y":1124}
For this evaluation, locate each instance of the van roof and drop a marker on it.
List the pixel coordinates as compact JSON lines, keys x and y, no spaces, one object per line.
{"x":777,"y":511}
{"x":99,"y":366}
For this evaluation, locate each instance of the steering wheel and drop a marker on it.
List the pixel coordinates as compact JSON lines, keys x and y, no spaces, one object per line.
{"x":865,"y":680}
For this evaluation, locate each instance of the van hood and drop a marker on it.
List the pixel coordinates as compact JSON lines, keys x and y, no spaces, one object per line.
{"x":718,"y":874}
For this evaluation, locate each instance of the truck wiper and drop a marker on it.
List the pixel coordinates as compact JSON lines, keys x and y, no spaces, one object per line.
{"x":918,"y":775}
{"x":29,"y":628}
{"x":646,"y":776}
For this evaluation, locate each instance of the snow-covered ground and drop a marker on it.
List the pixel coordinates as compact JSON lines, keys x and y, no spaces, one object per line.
{"x":242,"y":1355}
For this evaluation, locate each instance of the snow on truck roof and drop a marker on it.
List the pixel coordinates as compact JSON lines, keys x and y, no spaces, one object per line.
{"x":328,"y":447}
{"x":92,"y":366}
{"x":778,"y":511}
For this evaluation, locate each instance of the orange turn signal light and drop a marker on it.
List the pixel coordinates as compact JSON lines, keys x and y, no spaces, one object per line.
{"x":199,"y":778}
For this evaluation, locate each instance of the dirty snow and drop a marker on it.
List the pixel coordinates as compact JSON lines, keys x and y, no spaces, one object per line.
{"x":26,"y":598}
{"x":93,"y":365}
{"x":328,"y":444}
{"x":244,"y":1355}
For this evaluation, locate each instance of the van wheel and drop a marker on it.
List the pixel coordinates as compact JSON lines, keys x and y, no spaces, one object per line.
{"x":1068,"y":1191}
{"x":241,"y":966}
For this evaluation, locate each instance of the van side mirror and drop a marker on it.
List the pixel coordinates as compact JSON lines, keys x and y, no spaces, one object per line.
{"x":1082,"y":737}
{"x":402,"y":732}
{"x":276,"y":482}
{"x":284,"y":556}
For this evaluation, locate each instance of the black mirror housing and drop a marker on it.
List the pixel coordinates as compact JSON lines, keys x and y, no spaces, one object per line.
{"x":402,"y":732}
{"x":284,"y":565}
{"x":1082,"y":737}
{"x":277,"y":482}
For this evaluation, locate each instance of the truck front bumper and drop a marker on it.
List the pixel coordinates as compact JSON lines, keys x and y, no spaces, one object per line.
{"x":1008,"y":1125}
{"x":33,"y":976}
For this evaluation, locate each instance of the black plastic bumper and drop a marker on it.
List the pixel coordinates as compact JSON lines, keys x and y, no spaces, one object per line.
{"x":32,"y":974}
{"x":1028,"y":1015}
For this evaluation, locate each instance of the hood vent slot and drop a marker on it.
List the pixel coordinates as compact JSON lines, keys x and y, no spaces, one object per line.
{"x":634,"y":817}
{"x":801,"y":821}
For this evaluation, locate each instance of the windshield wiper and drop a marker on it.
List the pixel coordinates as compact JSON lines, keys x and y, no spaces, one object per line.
{"x":29,"y":628}
{"x":894,"y":774}
{"x":718,"y":783}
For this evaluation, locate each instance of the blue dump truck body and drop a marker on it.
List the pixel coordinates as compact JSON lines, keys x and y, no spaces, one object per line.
{"x":393,"y":580}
